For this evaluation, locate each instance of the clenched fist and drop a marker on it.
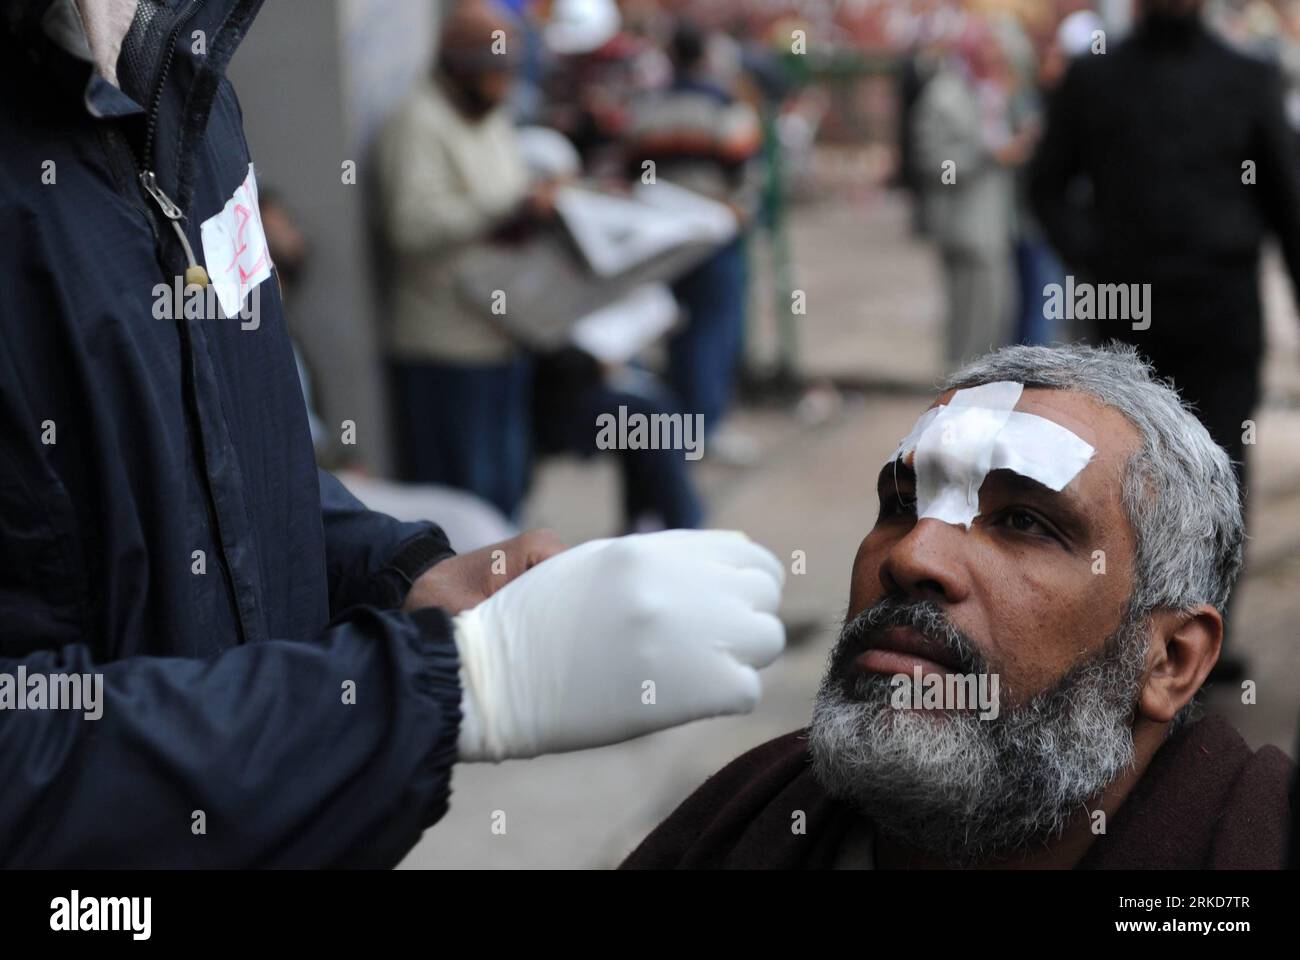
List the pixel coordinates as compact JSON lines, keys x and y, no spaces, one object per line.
{"x":566,"y":656}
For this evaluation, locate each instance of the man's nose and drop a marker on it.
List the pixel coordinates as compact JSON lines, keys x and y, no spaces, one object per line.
{"x":929,"y":563}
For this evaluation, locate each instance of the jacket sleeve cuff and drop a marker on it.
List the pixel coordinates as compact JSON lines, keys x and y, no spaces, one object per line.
{"x":394,"y":581}
{"x":440,"y":681}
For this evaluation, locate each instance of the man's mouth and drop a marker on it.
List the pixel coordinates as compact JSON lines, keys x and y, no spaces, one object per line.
{"x":902,"y":649}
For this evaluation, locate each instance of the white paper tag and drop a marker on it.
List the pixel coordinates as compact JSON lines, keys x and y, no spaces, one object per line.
{"x":234,"y":247}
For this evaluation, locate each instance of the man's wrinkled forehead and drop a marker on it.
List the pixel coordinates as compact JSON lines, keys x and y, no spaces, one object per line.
{"x":1045,"y":438}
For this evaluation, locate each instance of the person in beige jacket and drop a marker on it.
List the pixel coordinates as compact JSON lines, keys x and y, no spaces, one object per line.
{"x":452,"y":179}
{"x":966,"y":153}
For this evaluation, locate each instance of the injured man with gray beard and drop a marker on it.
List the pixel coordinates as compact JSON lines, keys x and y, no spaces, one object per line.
{"x":1029,"y":622}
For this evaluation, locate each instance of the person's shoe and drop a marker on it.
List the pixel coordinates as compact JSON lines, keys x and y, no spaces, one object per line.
{"x":1229,"y":669}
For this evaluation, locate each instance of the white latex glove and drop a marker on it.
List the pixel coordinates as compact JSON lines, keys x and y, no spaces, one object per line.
{"x":562,"y":657}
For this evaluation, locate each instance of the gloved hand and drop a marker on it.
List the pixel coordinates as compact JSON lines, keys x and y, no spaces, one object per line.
{"x":563,"y":657}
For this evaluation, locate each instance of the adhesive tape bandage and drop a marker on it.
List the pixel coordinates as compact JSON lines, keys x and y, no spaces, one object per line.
{"x":977,"y":431}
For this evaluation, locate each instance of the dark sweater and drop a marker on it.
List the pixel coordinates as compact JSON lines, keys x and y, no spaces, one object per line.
{"x":1206,"y":801}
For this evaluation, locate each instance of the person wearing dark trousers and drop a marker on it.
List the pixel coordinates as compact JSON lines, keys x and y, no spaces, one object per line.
{"x":572,"y":392}
{"x":704,"y":355}
{"x":1164,"y":166}
{"x":698,"y":134}
{"x":470,"y":427}
{"x":452,"y":186}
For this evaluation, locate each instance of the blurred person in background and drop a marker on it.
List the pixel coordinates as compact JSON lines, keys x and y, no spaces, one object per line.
{"x":920,"y":29}
{"x":967,"y":149}
{"x":573,"y":389}
{"x":527,"y":94}
{"x":699,"y":135}
{"x":592,"y":80}
{"x":452,"y":179}
{"x":1036,"y":265}
{"x":1075,"y":36}
{"x":1167,"y":162}
{"x":915,"y":69}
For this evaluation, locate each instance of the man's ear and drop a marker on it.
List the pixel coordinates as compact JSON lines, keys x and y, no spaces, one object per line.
{"x":1184,"y":647}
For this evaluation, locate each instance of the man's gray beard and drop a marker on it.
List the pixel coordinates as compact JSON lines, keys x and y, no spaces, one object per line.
{"x":964,"y":789}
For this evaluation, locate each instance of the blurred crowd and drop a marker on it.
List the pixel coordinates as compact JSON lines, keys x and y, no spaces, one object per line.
{"x":974,"y":84}
{"x":1043,"y":144}
{"x":523,"y":103}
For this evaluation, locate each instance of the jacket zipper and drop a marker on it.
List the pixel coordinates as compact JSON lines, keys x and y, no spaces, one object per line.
{"x":194,"y":272}
{"x":169,"y":54}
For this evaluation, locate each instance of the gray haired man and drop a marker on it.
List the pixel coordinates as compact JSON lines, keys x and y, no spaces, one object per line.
{"x":1058,"y":533}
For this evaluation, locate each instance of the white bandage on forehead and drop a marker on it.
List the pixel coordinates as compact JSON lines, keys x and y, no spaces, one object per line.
{"x":977,"y":431}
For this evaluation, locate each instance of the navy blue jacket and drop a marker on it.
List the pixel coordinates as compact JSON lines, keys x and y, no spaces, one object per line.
{"x":128,"y":443}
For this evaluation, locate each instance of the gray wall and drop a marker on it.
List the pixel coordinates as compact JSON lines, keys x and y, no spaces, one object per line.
{"x":314,"y":80}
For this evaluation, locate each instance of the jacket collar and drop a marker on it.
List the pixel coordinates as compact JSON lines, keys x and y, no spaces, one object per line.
{"x":62,"y":23}
{"x":52,"y":36}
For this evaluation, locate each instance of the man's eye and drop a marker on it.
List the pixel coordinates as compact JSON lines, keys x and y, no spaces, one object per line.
{"x":1025,"y":522}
